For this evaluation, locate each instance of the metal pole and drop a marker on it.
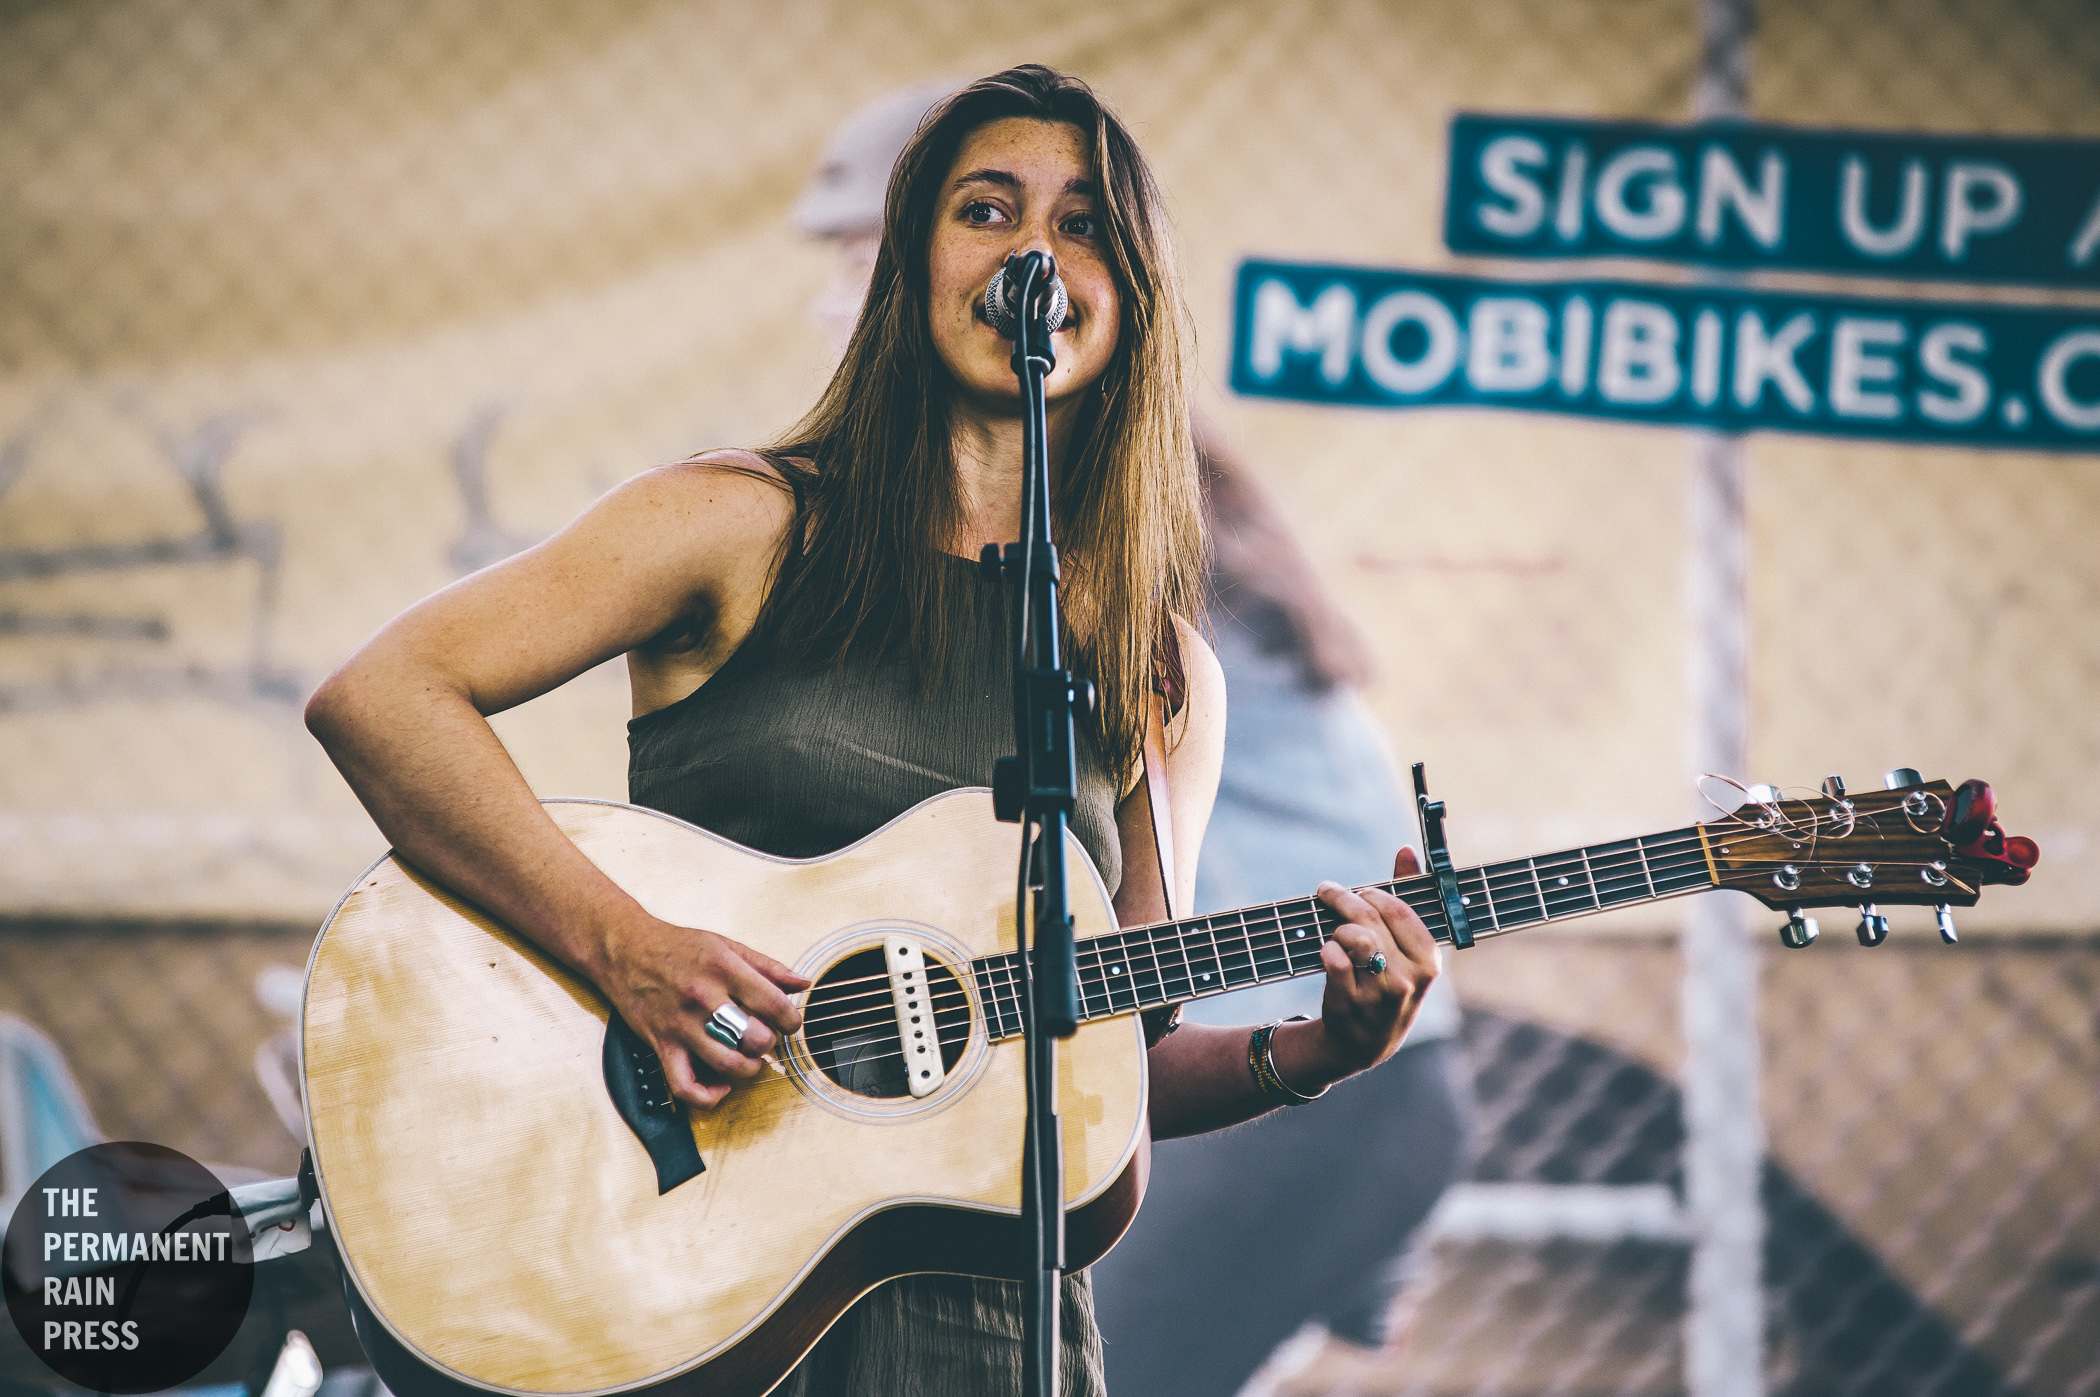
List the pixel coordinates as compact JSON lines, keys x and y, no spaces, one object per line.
{"x":1038,"y":783}
{"x":1724,"y":1123}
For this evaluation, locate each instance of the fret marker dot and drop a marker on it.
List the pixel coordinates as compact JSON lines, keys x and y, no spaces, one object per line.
{"x":1115,"y":970}
{"x":1465,"y":901}
{"x":1206,"y":977}
{"x":1301,"y":933}
{"x":1560,"y":882}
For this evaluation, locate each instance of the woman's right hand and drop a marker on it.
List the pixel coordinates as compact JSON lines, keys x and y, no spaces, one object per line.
{"x":406,"y":721}
{"x":666,"y":980}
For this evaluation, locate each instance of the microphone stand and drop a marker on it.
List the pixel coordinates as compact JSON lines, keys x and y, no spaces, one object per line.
{"x":1038,"y":786}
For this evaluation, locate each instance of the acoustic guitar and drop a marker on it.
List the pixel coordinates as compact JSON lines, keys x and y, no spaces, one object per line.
{"x":521,"y":1208}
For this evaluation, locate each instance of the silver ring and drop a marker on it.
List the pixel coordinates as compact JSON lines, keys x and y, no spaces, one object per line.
{"x":728,"y":1025}
{"x":1374,"y":966}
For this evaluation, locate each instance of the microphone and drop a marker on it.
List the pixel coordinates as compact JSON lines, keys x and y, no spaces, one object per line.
{"x":1003,"y":293}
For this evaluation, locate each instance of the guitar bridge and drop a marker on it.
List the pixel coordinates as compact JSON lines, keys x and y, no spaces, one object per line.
{"x":634,"y":1078}
{"x":909,"y":992}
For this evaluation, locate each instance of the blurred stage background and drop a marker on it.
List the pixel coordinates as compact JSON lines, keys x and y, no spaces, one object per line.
{"x":308,"y":309}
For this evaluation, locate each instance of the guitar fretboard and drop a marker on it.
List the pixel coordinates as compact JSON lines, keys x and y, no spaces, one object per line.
{"x":1149,"y":967}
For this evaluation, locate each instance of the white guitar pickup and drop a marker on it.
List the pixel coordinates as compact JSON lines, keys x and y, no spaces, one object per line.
{"x":915,"y":1026}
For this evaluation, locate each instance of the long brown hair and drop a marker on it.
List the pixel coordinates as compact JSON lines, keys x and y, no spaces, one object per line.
{"x":881,"y":493}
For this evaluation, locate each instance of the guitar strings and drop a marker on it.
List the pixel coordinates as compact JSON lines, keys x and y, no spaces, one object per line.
{"x":851,"y":1012}
{"x":1263,"y":958}
{"x":1657,"y":865}
{"x":1497,"y":886}
{"x":1425,"y":900}
{"x":1665,"y":859}
{"x":1515,"y":880}
{"x":1669,"y":855}
{"x":834,"y":1024}
{"x":1501,"y":883}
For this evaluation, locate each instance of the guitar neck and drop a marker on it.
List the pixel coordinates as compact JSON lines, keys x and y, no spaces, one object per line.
{"x":1150,"y":967}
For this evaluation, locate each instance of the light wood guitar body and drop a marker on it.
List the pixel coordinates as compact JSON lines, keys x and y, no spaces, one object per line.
{"x":504,"y":1228}
{"x":500,"y":1224}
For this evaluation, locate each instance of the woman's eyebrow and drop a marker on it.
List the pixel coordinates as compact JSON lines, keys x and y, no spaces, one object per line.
{"x":1079,"y":184}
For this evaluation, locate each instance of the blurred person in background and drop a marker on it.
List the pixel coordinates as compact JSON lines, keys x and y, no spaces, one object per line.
{"x":813,"y":651}
{"x":1307,"y":791}
{"x":842,"y":203}
{"x":1308,"y":1225}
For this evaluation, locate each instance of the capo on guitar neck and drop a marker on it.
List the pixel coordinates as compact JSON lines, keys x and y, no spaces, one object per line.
{"x":1439,"y":856}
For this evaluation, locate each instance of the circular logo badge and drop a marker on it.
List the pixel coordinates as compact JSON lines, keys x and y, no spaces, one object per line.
{"x":127,"y":1268}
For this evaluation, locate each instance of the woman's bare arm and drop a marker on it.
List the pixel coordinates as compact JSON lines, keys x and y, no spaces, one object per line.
{"x":405,"y":720}
{"x":1200,"y":1077}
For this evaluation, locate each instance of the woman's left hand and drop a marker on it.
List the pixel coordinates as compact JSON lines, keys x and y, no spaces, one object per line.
{"x":1380,"y":962}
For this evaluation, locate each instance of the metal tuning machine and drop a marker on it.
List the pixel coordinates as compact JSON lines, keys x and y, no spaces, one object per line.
{"x":1439,"y":856}
{"x":1873,"y":926}
{"x":1799,"y":930}
{"x":1913,"y":843}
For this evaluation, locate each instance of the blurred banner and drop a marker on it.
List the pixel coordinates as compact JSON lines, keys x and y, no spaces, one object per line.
{"x":1923,"y":371}
{"x":1734,"y":195}
{"x":308,"y":310}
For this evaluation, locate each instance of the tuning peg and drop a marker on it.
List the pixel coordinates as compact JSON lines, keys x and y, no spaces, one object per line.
{"x":1763,"y":793}
{"x":1946,"y":920}
{"x":1799,"y":931}
{"x":1901,"y":778}
{"x":1834,"y":787}
{"x":1873,"y":927}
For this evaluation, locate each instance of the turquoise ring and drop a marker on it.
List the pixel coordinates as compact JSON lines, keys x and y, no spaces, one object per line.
{"x":1374,"y":966}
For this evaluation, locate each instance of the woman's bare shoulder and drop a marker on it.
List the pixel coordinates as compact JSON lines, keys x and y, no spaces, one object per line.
{"x":679,"y":545}
{"x":731,"y":493}
{"x":719,"y":517}
{"x":1201,"y":719}
{"x":1195,"y":723}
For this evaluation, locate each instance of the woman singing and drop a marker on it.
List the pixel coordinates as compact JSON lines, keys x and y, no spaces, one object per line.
{"x":812,"y":652}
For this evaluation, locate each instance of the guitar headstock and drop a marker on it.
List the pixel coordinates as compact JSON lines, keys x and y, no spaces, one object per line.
{"x":1917,"y":843}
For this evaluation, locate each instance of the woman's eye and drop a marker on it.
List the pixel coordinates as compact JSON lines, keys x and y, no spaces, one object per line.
{"x":980,"y":212}
{"x":1083,"y":225}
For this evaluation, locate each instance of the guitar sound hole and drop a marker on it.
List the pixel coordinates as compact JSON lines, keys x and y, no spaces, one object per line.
{"x":850,"y":1024}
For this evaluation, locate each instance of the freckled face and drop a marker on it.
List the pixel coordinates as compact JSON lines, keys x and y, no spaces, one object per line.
{"x":1019,"y":184}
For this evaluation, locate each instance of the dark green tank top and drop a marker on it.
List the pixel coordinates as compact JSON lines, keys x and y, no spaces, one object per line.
{"x":798,"y":761}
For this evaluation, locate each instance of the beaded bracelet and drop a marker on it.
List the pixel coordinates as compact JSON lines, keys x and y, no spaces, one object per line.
{"x":1261,"y":1061}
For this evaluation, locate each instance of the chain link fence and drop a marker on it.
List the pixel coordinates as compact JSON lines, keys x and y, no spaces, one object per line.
{"x":307,"y":309}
